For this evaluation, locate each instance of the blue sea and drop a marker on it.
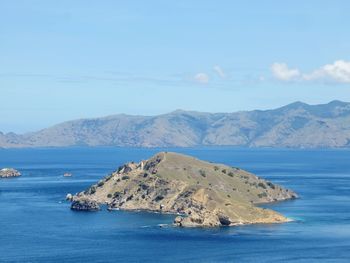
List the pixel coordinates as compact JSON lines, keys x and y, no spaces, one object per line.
{"x":36,"y":224}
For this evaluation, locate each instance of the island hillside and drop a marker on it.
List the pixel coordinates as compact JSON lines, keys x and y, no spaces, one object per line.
{"x":203,"y":193}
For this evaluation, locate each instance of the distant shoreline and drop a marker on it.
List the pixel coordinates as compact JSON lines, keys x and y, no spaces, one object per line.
{"x":297,"y":125}
{"x":181,"y":148}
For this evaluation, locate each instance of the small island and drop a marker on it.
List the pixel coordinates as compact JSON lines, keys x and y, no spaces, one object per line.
{"x":9,"y":172}
{"x":199,"y":192}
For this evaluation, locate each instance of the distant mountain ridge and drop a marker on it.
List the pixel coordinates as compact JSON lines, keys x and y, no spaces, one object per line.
{"x":297,"y":125}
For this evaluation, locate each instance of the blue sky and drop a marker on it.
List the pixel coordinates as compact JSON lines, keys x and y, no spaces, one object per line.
{"x":62,"y":60}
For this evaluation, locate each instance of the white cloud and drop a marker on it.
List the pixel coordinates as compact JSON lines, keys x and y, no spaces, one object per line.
{"x":281,"y":71}
{"x":338,"y":71}
{"x":219,"y":71}
{"x":201,"y":78}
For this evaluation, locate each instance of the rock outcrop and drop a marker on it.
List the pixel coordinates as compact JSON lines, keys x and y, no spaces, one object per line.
{"x":9,"y":172}
{"x":69,"y":197}
{"x":201,"y":193}
{"x":85,"y":205}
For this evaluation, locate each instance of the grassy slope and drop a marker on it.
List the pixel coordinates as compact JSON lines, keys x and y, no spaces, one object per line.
{"x":213,"y":189}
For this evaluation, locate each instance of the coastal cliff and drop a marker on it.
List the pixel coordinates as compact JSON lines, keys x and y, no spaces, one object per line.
{"x":201,"y":193}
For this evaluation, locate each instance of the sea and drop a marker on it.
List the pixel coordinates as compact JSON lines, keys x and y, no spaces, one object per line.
{"x":37,"y":225}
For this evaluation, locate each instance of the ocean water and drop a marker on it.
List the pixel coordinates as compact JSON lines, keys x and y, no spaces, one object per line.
{"x":36,"y":224}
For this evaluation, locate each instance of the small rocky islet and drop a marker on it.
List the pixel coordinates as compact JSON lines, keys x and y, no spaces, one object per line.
{"x":9,"y":173}
{"x":200,"y":193}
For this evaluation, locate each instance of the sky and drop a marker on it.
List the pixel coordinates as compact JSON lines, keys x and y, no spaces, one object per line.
{"x":63,"y":60}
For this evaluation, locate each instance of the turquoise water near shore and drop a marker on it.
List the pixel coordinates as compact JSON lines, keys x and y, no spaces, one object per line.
{"x":38,"y":226}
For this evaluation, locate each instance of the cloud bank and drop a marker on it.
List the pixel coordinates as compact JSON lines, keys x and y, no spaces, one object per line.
{"x":338,"y":71}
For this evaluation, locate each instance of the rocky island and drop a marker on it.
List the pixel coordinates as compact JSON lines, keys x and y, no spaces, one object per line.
{"x":9,"y":172}
{"x":199,"y":192}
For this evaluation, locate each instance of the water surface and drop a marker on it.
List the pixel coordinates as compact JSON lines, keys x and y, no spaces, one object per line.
{"x":36,"y":224}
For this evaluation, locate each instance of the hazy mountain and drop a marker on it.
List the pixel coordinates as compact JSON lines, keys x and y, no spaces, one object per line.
{"x":295,"y":125}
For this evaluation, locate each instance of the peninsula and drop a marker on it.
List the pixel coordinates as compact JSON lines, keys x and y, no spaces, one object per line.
{"x":199,"y":192}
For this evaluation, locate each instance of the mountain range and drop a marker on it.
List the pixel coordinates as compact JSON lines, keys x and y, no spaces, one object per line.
{"x":297,"y":125}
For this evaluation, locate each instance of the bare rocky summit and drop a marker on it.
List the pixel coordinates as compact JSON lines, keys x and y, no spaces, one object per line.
{"x":296,"y":125}
{"x":9,"y":172}
{"x":201,"y":193}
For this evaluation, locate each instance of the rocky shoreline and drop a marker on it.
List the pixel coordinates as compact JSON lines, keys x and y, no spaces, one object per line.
{"x":85,"y":205}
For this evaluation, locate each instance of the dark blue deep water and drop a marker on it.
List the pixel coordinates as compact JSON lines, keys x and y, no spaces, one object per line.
{"x":36,"y":224}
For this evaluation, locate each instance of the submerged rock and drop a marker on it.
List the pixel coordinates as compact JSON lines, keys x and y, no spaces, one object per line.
{"x":9,"y":172}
